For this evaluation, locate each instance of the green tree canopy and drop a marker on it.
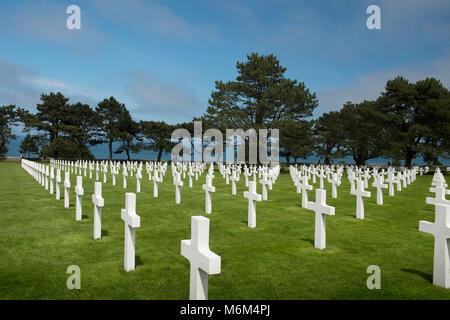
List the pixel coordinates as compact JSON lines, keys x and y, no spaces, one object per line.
{"x":329,"y":136}
{"x":416,"y":118}
{"x":8,"y":118}
{"x":157,"y":136}
{"x":108,"y":113}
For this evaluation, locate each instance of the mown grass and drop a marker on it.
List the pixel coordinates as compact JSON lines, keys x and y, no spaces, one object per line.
{"x":39,"y":239}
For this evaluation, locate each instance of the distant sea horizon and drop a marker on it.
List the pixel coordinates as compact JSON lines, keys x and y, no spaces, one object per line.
{"x":101,"y":151}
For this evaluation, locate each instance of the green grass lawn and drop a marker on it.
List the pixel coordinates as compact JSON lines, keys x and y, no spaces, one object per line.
{"x":39,"y":239}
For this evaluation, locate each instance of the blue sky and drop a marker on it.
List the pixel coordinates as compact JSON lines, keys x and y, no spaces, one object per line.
{"x":161,"y":58}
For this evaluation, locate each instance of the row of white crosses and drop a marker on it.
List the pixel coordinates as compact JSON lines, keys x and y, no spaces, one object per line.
{"x":440,"y":229}
{"x":128,"y":169}
{"x":202,"y":260}
{"x":97,"y":199}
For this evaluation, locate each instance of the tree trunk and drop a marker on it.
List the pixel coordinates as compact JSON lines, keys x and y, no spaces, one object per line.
{"x":128,"y":154}
{"x":408,"y":160}
{"x":160,"y":154}
{"x":110,"y":149}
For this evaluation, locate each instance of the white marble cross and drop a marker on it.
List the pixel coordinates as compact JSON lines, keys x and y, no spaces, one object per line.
{"x":246,"y":175}
{"x":321,"y":209}
{"x":252,"y":197}
{"x":234,"y":178}
{"x":441,"y":231}
{"x":297,"y":178}
{"x":178,"y":183}
{"x":99,"y":203}
{"x":58,"y":183}
{"x":334,"y":183}
{"x":124,"y":174}
{"x":321,"y":176}
{"x":138,"y":181}
{"x":190,"y":174}
{"x":360,"y":193}
{"x":47,"y":176}
{"x":264,"y":182}
{"x":440,"y":193}
{"x":79,"y":198}
{"x":208,"y":187}
{"x":391,"y":180}
{"x":113,"y":172}
{"x":380,"y":185}
{"x":132,"y":221}
{"x":305,"y":187}
{"x":105,"y":171}
{"x":352,"y":178}
{"x":66,"y":189}
{"x":52,"y":178}
{"x":202,"y":260}
{"x":156,"y":179}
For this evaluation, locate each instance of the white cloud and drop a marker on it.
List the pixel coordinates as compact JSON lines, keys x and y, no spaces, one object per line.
{"x":156,"y":100}
{"x":45,"y":20}
{"x":369,"y":86}
{"x":146,"y":16}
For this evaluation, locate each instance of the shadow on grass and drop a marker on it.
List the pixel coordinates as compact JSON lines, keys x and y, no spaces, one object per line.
{"x":138,"y":260}
{"x":244,"y":221}
{"x":424,"y":275}
{"x":83,"y":216}
{"x":105,"y":233}
{"x":309,"y":240}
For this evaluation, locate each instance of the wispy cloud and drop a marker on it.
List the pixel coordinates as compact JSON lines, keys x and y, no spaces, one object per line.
{"x":369,"y":86}
{"x":156,"y":100}
{"x":22,"y":86}
{"x":46,"y":20}
{"x":147,"y":16}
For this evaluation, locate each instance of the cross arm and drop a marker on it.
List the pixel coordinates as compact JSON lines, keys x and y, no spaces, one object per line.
{"x":79,"y":190}
{"x":425,"y":226}
{"x":98,"y":201}
{"x":133,"y":221}
{"x":204,"y":258}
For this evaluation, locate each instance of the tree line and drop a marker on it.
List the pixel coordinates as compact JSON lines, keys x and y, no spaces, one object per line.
{"x":406,"y":121}
{"x":59,"y":129}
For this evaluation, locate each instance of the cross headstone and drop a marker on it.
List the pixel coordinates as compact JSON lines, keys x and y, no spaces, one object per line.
{"x":138,"y":181}
{"x":391,"y":180}
{"x":441,"y":231}
{"x":321,"y":209}
{"x":202,"y":260}
{"x":124,"y":174}
{"x":79,"y":198}
{"x":66,"y":189}
{"x":380,"y":185}
{"x":99,"y":203}
{"x":234,"y":178}
{"x":58,"y":183}
{"x":439,"y":198}
{"x":132,"y":221}
{"x":208,"y":187}
{"x":52,"y":179}
{"x":334,"y":183}
{"x":178,"y":183}
{"x":360,"y":193}
{"x":305,"y":187}
{"x":264,"y":182}
{"x":156,"y":179}
{"x":252,"y":197}
{"x":190,"y":174}
{"x":47,"y":176}
{"x":105,"y":171}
